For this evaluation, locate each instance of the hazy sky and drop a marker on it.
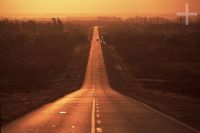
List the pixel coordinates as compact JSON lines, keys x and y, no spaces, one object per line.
{"x":96,"y":6}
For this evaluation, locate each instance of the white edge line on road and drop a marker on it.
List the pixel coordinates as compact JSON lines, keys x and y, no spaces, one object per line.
{"x":167,"y":116}
{"x":173,"y":119}
{"x":93,"y":117}
{"x":163,"y":114}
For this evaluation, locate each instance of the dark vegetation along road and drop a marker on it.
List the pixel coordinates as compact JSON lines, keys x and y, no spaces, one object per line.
{"x":150,"y":76}
{"x":96,"y":108}
{"x":157,"y":64}
{"x":40,"y":62}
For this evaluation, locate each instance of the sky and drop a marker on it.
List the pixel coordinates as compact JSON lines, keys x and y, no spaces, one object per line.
{"x":96,"y":6}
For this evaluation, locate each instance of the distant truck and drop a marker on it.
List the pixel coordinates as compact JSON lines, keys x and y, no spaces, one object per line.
{"x":103,"y":40}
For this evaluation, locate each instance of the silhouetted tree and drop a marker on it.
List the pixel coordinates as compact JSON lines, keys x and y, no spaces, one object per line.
{"x":60,"y":25}
{"x":32,"y":26}
{"x":55,"y":24}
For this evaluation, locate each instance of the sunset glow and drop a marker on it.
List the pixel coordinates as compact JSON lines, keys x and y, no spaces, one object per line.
{"x":100,"y":66}
{"x":95,"y":6}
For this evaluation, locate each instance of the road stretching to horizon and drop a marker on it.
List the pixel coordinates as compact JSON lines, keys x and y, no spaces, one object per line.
{"x":96,"y":108}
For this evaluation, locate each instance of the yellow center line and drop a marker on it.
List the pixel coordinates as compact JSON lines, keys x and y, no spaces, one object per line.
{"x":93,"y":117}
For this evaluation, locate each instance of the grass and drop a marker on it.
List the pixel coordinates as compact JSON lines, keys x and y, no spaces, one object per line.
{"x":43,"y":64}
{"x":160,"y":52}
{"x":30,"y":59}
{"x":156,"y":64}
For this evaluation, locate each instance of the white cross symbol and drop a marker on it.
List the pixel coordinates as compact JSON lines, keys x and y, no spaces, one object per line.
{"x":186,"y":14}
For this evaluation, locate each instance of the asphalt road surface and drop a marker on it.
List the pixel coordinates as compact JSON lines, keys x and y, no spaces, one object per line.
{"x":96,"y":108}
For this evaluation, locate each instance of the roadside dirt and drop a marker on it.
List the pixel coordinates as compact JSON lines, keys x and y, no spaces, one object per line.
{"x":181,"y":107}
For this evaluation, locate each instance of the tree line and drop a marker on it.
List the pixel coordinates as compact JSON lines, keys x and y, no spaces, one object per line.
{"x":154,"y":20}
{"x":162,"y":20}
{"x":55,"y":25}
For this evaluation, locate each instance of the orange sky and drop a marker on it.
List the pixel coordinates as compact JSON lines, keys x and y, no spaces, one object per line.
{"x":96,"y":6}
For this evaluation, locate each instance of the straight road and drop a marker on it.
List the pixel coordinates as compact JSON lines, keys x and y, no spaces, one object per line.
{"x":96,"y":108}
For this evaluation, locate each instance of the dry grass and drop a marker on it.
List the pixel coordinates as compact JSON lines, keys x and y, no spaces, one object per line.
{"x":158,"y":65}
{"x":160,"y":52}
{"x":46,"y":66}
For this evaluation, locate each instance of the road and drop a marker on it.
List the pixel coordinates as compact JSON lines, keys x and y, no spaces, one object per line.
{"x":96,"y":108}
